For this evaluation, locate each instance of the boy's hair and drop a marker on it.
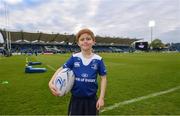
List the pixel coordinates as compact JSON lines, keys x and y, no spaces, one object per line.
{"x":85,"y":30}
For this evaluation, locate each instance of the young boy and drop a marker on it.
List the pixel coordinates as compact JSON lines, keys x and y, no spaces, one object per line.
{"x":86,"y":65}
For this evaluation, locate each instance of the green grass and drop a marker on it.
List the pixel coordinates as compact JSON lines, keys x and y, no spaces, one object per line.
{"x":129,"y":76}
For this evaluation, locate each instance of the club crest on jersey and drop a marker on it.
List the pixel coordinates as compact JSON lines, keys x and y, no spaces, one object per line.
{"x":76,"y":64}
{"x":94,"y":66}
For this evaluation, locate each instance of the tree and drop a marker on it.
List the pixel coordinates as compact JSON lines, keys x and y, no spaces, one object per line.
{"x":157,"y":44}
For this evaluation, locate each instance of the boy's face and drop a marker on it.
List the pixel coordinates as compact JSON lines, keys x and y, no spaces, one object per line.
{"x":86,"y":42}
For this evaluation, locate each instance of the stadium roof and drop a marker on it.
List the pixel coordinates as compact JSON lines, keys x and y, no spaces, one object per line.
{"x":21,"y":36}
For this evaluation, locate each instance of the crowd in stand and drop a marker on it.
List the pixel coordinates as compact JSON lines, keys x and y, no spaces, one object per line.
{"x":64,"y":48}
{"x":27,"y":48}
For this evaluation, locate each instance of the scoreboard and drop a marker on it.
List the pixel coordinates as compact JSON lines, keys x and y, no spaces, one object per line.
{"x":141,"y":46}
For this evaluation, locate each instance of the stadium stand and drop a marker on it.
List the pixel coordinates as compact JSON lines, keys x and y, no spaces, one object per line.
{"x":34,"y":43}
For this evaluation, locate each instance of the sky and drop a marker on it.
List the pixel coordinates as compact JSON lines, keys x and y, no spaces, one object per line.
{"x":115,"y":18}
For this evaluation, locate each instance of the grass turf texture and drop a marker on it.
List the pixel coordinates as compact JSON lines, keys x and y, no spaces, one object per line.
{"x":129,"y":76}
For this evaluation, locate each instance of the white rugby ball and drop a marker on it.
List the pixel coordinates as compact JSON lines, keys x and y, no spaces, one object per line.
{"x":64,"y":81}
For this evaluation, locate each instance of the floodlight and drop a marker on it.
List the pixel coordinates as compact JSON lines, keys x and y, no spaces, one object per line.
{"x":151,"y":23}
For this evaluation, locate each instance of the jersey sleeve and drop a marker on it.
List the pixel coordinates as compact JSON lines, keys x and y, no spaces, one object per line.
{"x":69,"y":63}
{"x":102,"y":69}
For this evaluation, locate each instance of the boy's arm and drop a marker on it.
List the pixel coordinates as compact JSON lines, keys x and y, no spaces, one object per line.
{"x":100,"y":102}
{"x":103,"y":87}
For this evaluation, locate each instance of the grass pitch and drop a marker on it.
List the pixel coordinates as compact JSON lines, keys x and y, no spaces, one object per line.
{"x":129,"y":76}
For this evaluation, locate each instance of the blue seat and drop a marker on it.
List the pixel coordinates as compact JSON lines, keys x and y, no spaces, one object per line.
{"x":30,"y":69}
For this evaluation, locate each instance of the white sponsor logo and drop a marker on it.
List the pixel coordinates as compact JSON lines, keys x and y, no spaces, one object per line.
{"x":76,"y":64}
{"x":84,"y":75}
{"x":85,"y":80}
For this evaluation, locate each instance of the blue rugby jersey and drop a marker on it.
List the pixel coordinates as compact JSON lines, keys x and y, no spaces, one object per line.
{"x":86,"y":71}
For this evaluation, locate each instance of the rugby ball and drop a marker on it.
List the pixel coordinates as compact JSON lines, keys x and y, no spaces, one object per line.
{"x":64,"y":81}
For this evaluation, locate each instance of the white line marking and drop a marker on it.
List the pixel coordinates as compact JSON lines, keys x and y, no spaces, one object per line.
{"x":27,"y":60}
{"x":51,"y":67}
{"x":139,"y":99}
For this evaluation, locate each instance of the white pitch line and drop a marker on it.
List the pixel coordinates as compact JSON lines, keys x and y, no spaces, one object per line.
{"x":139,"y":99}
{"x":51,"y":67}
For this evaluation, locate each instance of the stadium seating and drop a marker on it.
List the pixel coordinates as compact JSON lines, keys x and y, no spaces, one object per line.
{"x":63,"y":48}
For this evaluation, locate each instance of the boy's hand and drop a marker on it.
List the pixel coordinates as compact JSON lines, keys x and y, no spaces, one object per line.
{"x":100,"y":103}
{"x":53,"y":89}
